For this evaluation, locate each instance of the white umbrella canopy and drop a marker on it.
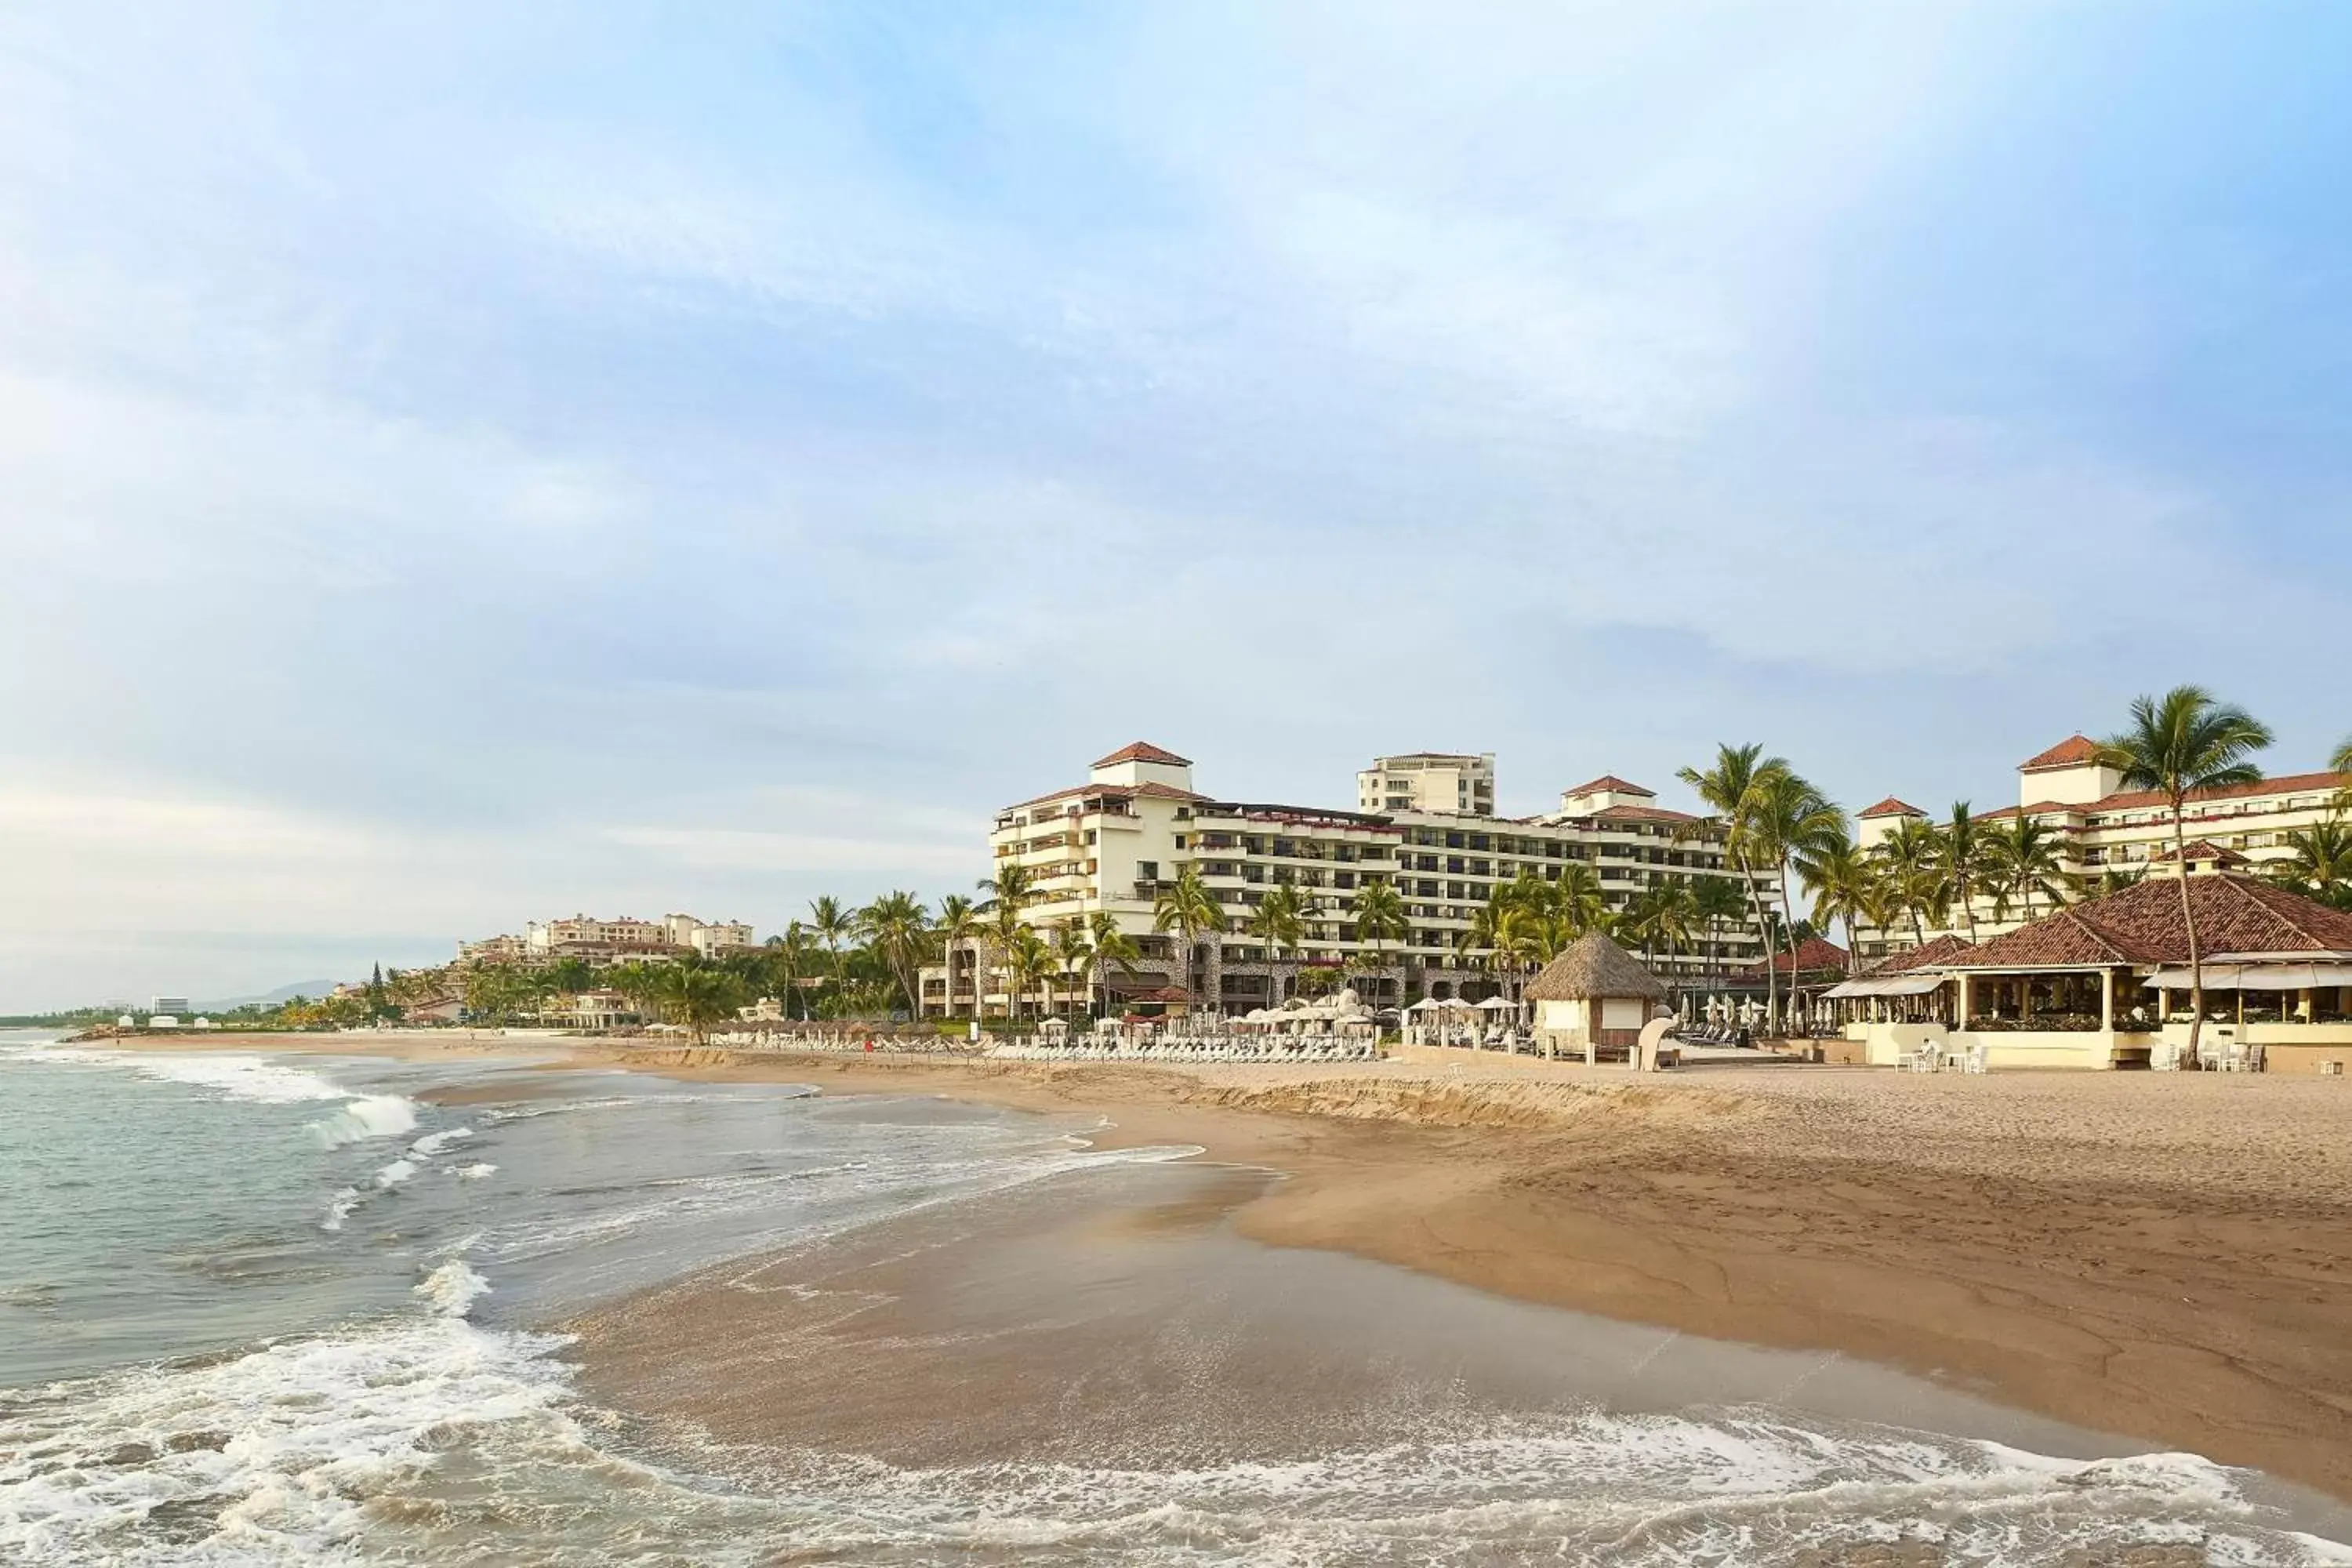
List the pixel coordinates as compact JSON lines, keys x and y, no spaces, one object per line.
{"x":1427,"y":1004}
{"x":1498,"y":1004}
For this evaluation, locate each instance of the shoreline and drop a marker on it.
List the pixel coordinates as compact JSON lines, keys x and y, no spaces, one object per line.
{"x":2164,"y":1260}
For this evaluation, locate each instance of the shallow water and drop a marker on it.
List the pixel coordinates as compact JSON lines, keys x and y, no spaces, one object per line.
{"x":289,"y":1311}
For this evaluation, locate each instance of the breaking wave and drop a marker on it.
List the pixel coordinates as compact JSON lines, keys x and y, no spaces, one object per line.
{"x":364,"y":1117}
{"x":268,"y":1457}
{"x":452,"y":1289}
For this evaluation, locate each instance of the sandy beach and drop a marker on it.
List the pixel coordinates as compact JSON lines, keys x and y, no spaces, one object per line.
{"x":2156,"y":1255}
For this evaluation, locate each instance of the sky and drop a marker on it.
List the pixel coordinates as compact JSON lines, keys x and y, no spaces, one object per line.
{"x":466,"y":463}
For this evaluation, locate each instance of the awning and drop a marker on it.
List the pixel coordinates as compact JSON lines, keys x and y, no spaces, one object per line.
{"x":2256,"y":977}
{"x":1889,"y":986}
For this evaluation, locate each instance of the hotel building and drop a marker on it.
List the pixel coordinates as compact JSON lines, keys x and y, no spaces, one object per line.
{"x":1437,"y":782}
{"x":1112,"y":844}
{"x":2101,"y":827}
{"x":609,"y":941}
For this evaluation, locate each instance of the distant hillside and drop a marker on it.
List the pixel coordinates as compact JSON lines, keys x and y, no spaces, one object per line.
{"x":283,"y":993}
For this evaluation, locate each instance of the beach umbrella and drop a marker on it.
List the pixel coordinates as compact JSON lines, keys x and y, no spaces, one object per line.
{"x":1498,"y":1004}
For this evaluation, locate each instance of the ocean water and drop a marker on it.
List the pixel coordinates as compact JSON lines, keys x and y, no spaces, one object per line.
{"x":290,"y":1311}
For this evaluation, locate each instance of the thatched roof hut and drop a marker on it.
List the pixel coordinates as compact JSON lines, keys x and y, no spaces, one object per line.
{"x":1594,"y":967}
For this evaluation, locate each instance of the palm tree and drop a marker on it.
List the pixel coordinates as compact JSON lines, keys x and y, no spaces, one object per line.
{"x":1790,"y":818}
{"x":2115,"y":880}
{"x":896,"y":930}
{"x":698,"y":995}
{"x":1847,"y":886}
{"x":1485,"y":925}
{"x":956,"y":926}
{"x":1009,"y":892}
{"x":1188,"y":907}
{"x":1578,"y":900}
{"x":1110,"y":945}
{"x":2341,"y":763}
{"x":1280,"y":920}
{"x":1379,"y":917}
{"x":1660,"y":917}
{"x":1960,"y":851}
{"x":2022,"y":859}
{"x":1013,"y":884}
{"x":832,"y":925}
{"x":1732,"y":792}
{"x":1027,"y":960}
{"x":791,"y":954}
{"x":1911,"y":856}
{"x":1071,"y":950}
{"x":2320,"y":866}
{"x":2179,"y":745}
{"x":1714,"y":901}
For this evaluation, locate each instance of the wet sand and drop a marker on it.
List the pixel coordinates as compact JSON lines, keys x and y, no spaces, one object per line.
{"x":2157,"y":1256}
{"x":1035,"y":1326}
{"x":2160,"y":1256}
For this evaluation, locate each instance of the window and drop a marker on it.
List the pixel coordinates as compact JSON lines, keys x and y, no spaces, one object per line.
{"x":1180,"y":841}
{"x":1147,"y":870}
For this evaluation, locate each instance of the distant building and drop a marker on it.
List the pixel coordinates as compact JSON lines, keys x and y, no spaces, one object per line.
{"x":172,"y":1005}
{"x":600,"y":941}
{"x":598,"y":1010}
{"x":1448,"y":782}
{"x":164,"y":1021}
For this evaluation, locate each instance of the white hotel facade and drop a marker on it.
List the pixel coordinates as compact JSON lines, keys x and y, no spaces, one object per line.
{"x":1426,"y":822}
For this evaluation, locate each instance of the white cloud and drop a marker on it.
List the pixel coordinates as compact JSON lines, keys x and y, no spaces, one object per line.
{"x":444,"y":481}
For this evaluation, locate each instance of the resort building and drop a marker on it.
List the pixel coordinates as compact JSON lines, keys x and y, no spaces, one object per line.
{"x":602,"y":942}
{"x":2106,"y":983}
{"x":2104,"y":832}
{"x":1113,"y":843}
{"x":1442,"y":782}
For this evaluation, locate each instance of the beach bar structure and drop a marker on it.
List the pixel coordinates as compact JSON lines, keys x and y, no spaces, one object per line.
{"x":2105,"y":984}
{"x":1593,"y":997}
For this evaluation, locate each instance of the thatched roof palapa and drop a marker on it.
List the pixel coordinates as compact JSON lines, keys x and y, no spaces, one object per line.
{"x":1594,"y":967}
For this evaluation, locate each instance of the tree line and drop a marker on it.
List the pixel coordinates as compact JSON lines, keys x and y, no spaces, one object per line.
{"x":1781,"y":835}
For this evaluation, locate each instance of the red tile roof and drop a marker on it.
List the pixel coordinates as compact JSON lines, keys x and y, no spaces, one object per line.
{"x":2142,"y":925}
{"x":1814,"y":954}
{"x":1943,"y":949}
{"x":1891,"y":806}
{"x":1613,"y":785}
{"x":2071,"y":753}
{"x":2290,"y":784}
{"x":1144,"y":752}
{"x":1641,"y":814}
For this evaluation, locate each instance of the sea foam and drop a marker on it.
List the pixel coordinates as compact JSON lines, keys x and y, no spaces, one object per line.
{"x":452,"y":1289}
{"x":237,"y":1076}
{"x":362,"y":1116}
{"x":278,"y":1450}
{"x":433,"y":1143}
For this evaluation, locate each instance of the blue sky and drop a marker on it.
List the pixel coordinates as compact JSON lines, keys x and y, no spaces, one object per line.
{"x":460,"y":463}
